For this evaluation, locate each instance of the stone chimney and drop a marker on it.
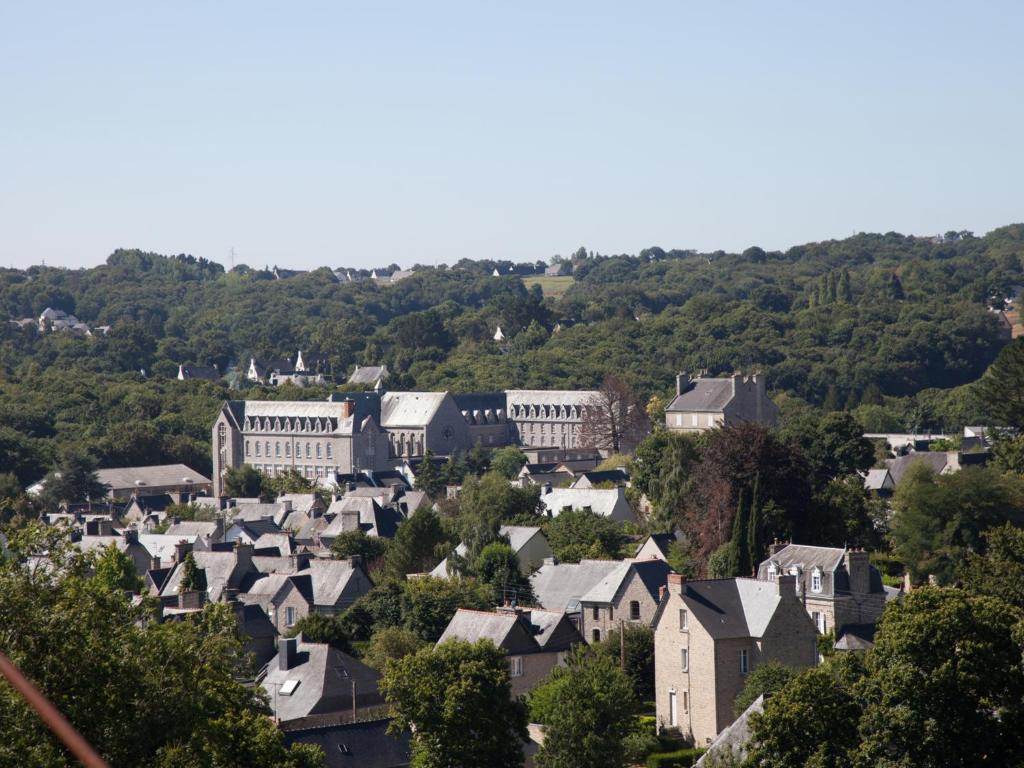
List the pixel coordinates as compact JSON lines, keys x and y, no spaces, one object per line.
{"x":230,"y":595}
{"x":191,"y":600}
{"x":348,"y":407}
{"x":154,"y":563}
{"x":786,"y":584}
{"x":181,"y":549}
{"x":859,"y":570}
{"x":104,"y":528}
{"x":243,"y":556}
{"x":287,"y":652}
{"x":130,"y":536}
{"x":676,"y":582}
{"x":682,"y":382}
{"x":777,"y":546}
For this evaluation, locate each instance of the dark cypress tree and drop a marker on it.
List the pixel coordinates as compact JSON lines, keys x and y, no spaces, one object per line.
{"x":740,"y":533}
{"x":754,"y":545}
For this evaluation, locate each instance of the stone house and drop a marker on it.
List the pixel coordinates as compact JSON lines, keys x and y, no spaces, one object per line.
{"x":599,"y":595}
{"x":528,"y":543}
{"x":316,"y":439}
{"x":709,"y":635}
{"x":548,"y":418}
{"x":701,"y":403}
{"x":607,"y":502}
{"x":417,"y":422}
{"x":535,"y":640}
{"x":838,"y":587}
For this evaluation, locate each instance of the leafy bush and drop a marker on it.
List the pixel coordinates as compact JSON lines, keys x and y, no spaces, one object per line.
{"x":680,"y":758}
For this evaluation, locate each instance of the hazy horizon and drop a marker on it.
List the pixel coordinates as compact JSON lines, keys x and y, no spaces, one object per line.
{"x":326,"y":135}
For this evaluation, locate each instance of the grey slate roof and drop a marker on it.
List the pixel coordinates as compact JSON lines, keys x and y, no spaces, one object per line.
{"x":704,"y":395}
{"x":733,"y":740}
{"x":730,"y":608}
{"x":831,"y":561}
{"x":560,"y":586}
{"x":653,"y":574}
{"x":507,"y":631}
{"x":518,"y":536}
{"x":368,"y":374}
{"x":409,"y":409}
{"x":935,"y":461}
{"x":324,"y":676}
{"x":150,"y":476}
{"x":356,"y":745}
{"x":191,"y":528}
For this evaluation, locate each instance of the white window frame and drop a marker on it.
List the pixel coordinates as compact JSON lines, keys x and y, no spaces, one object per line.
{"x":289,"y":616}
{"x":684,"y":620}
{"x":816,"y":580}
{"x":684,"y":659}
{"x":515,"y":664}
{"x":744,"y":661}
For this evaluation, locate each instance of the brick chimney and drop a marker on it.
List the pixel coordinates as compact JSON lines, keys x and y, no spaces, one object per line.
{"x":348,"y":407}
{"x":154,"y":563}
{"x":287,"y":652}
{"x":676,"y":582}
{"x":243,"y":556}
{"x":193,"y":599}
{"x":777,"y":546}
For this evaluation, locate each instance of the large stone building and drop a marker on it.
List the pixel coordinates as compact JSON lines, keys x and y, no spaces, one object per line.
{"x":709,"y":635}
{"x":548,"y":418}
{"x":701,"y":404}
{"x":838,"y":587}
{"x":316,"y":439}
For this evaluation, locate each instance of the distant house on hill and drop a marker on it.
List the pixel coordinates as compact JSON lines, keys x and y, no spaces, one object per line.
{"x":703,"y":403}
{"x":369,"y":375}
{"x":207,"y":373}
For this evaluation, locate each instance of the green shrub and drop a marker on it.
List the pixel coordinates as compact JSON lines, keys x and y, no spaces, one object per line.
{"x":681,"y":758}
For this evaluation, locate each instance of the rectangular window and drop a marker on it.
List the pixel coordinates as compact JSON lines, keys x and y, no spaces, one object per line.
{"x":744,"y":662}
{"x":318,"y":450}
{"x":258,"y":448}
{"x":289,"y":616}
{"x":287,"y":450}
{"x":673,"y":714}
{"x":686,"y":701}
{"x":329,"y":451}
{"x":611,"y":612}
{"x":595,"y":613}
{"x":634,"y":610}
{"x":684,"y":619}
{"x":516,"y":666}
{"x":693,"y":420}
{"x":686,"y":659}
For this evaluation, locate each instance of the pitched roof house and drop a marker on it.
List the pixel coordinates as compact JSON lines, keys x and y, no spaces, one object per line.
{"x":528,"y":543}
{"x":306,"y":679}
{"x":709,"y":635}
{"x":535,"y":640}
{"x":610,"y":503}
{"x":837,"y":586}
{"x":701,"y":403}
{"x":369,"y":375}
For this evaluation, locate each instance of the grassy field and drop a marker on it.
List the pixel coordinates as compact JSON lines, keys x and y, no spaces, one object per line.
{"x":552,"y":286}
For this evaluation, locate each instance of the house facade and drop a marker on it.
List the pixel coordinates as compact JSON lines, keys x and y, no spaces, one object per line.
{"x":702,"y":403}
{"x":709,"y":635}
{"x":548,"y":418}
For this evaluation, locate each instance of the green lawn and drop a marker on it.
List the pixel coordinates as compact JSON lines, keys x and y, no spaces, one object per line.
{"x":552,"y":286}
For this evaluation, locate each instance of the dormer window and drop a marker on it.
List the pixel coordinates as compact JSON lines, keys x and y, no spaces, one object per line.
{"x":773,"y":570}
{"x":816,"y":580}
{"x":795,"y":571}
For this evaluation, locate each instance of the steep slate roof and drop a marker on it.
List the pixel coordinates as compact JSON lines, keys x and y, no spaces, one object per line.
{"x":565,"y":397}
{"x":329,"y":579}
{"x":734,"y":739}
{"x":729,"y":608}
{"x":831,"y":561}
{"x":554,"y":631}
{"x":256,"y":528}
{"x":209,"y":373}
{"x":368,"y":374}
{"x":155,"y":475}
{"x":935,"y":461}
{"x":409,"y":409}
{"x":856,"y":637}
{"x":518,"y":536}
{"x":507,"y":630}
{"x":559,"y":587}
{"x":704,"y":395}
{"x":875,"y":479}
{"x":324,"y":676}
{"x":618,"y":476}
{"x":356,"y":745}
{"x":217,"y":568}
{"x":601,"y":501}
{"x":372,"y":518}
{"x":652,"y":574}
{"x":301,"y":502}
{"x":191,"y":528}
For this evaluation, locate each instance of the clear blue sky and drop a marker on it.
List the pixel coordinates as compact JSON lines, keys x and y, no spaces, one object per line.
{"x":315,"y":133}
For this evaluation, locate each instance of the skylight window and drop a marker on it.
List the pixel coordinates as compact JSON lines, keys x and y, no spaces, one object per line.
{"x":289,"y":687}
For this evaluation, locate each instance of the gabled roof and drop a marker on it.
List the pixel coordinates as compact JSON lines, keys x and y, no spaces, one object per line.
{"x":652,"y":574}
{"x":330,"y":578}
{"x":878,"y":479}
{"x":730,"y":608}
{"x":936,"y":461}
{"x":734,"y":739}
{"x":518,"y":536}
{"x":363,"y":744}
{"x":191,"y":528}
{"x":599,"y":500}
{"x":217,"y":568}
{"x":409,"y":409}
{"x":704,"y":395}
{"x":254,"y":529}
{"x":368,"y":374}
{"x":560,"y":586}
{"x":507,"y":630}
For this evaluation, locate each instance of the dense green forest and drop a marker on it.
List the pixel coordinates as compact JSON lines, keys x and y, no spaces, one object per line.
{"x":889,"y":326}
